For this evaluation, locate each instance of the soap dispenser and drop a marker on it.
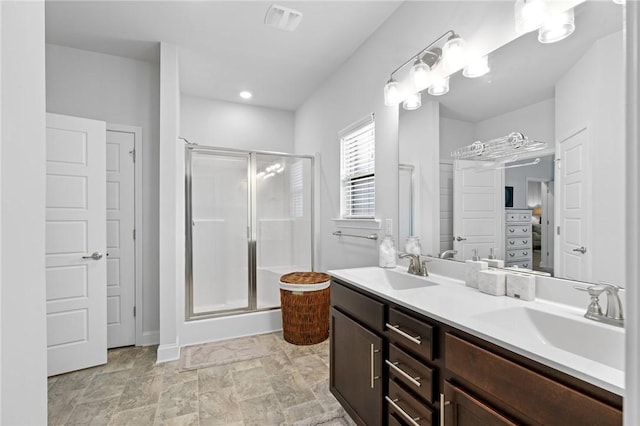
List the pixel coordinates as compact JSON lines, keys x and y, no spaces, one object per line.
{"x":387,"y":249}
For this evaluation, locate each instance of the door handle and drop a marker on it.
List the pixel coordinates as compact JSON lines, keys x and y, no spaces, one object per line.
{"x":460,"y":239}
{"x":96,"y":255}
{"x":582,"y":250}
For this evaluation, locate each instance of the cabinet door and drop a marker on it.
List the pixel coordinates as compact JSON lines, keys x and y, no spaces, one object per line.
{"x":461,"y":409}
{"x":356,"y":369}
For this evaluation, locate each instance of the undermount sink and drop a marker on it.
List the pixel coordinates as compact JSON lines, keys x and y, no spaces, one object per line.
{"x":390,"y":278}
{"x":582,"y":337}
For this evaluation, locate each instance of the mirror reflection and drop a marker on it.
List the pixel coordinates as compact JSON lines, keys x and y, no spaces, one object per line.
{"x":556,"y":210}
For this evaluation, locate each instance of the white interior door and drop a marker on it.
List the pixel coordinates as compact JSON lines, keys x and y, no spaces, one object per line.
{"x":120,"y":239}
{"x":75,"y":244}
{"x":478,"y":210}
{"x":548,"y":225}
{"x":574,"y":259}
{"x":446,"y":206}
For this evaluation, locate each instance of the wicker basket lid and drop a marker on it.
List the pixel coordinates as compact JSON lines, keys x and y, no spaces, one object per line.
{"x":305,"y":278}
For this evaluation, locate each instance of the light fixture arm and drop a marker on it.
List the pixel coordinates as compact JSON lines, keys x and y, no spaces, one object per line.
{"x":420,"y":53}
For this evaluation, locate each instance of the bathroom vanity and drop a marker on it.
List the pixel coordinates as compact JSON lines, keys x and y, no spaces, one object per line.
{"x":424,"y":351}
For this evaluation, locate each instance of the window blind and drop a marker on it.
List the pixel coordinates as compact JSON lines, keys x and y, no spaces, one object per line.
{"x":357,"y":170}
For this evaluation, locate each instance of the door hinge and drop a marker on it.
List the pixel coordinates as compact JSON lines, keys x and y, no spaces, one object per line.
{"x":134,"y":311}
{"x":557,"y":230}
{"x":134,"y":234}
{"x":132,"y":153}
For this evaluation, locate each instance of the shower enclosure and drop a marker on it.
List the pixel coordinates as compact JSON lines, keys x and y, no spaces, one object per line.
{"x":249,"y":220}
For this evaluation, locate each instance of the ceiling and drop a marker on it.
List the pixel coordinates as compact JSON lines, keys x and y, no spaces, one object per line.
{"x":224,"y":46}
{"x":525,"y":71}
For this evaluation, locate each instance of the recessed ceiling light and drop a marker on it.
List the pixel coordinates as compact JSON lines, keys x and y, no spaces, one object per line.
{"x":245,"y":95}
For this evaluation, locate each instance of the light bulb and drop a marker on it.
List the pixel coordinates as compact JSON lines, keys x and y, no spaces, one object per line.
{"x":420,"y":75}
{"x":413,"y":101}
{"x":619,"y":1}
{"x":557,"y":27}
{"x":477,"y":67}
{"x":529,"y":14}
{"x":392,"y":94}
{"x":440,"y":86}
{"x":245,"y":95}
{"x":454,"y":54}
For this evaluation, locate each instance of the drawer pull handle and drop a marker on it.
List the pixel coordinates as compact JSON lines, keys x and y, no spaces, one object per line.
{"x":525,"y":241}
{"x":394,"y":365}
{"x":525,"y":229}
{"x":413,"y":420}
{"x":512,"y":230}
{"x":373,"y":376}
{"x":396,"y":328}
{"x":443,"y":404}
{"x":512,"y":242}
{"x":512,"y":254}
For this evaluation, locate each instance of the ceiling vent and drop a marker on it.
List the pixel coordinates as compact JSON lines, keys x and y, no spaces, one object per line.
{"x":282,"y":18}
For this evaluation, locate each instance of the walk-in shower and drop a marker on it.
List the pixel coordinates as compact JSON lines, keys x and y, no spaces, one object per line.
{"x":249,"y":221}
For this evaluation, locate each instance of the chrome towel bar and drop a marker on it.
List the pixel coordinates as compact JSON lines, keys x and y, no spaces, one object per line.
{"x":369,"y":237}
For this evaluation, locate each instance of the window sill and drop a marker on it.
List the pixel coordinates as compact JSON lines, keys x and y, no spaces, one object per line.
{"x":357,"y":223}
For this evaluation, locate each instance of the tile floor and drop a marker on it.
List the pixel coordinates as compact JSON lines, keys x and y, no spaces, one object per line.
{"x":290,"y":384}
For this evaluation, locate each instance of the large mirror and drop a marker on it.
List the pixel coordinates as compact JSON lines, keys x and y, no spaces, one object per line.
{"x":557,"y":210}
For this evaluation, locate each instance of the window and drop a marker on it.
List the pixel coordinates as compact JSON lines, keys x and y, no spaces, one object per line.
{"x":357,"y":170}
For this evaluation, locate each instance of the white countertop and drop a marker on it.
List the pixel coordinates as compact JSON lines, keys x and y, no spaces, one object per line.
{"x":454,"y":304}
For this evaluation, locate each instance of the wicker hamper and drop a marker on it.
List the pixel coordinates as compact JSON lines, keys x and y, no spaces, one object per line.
{"x":304,"y":300}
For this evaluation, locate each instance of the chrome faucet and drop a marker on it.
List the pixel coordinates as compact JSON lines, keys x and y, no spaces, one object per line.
{"x":415,"y":266}
{"x":613,"y":315}
{"x":448,"y":253}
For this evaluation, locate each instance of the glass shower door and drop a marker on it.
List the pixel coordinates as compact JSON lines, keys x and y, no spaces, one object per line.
{"x":283,"y":218}
{"x":218,"y":193}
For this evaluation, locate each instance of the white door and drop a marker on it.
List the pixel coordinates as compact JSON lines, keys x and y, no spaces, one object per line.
{"x":446,"y":206}
{"x":478,"y":210}
{"x":75,"y":244}
{"x":573,"y":169}
{"x":548,"y":225}
{"x":120,"y":239}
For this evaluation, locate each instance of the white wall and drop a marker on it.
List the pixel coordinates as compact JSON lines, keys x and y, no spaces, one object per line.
{"x":120,"y":91}
{"x":217,"y":123}
{"x":356,"y":90}
{"x":23,"y":333}
{"x":592,"y":93}
{"x":536,"y":121}
{"x":455,"y":134}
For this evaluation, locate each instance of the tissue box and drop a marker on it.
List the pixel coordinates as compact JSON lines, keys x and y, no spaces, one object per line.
{"x":492,"y":282}
{"x":521,"y":286}
{"x":473,"y":267}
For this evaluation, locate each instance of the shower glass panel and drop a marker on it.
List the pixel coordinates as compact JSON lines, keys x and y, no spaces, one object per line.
{"x":283,"y":222}
{"x":219,"y":199}
{"x":249,"y":220}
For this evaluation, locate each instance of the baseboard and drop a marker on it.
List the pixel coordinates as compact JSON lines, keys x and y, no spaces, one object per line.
{"x":150,"y":338}
{"x":168,"y":353}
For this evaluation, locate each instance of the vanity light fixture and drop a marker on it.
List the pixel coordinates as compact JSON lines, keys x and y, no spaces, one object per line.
{"x":477,"y":67}
{"x":619,"y":1}
{"x":557,"y":27}
{"x":530,"y":15}
{"x":413,"y":101}
{"x":430,"y":71}
{"x":440,"y":86}
{"x":392,"y":93}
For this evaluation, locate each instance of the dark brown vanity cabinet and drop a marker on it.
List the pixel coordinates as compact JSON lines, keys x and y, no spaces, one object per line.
{"x":392,"y":366}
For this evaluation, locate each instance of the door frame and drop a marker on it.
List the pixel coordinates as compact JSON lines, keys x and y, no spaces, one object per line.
{"x":140,"y":339}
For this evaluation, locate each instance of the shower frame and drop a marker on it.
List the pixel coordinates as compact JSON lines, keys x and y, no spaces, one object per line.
{"x":190,"y":149}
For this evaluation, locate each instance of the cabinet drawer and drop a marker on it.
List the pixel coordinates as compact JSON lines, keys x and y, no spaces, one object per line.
{"x":524,"y":230}
{"x":411,"y":334}
{"x":410,"y":371}
{"x":358,"y":306}
{"x":527,"y":264}
{"x":544,"y":401}
{"x":513,"y":217}
{"x":404,"y":406}
{"x":522,"y":242}
{"x":524,"y":217}
{"x":518,"y":254}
